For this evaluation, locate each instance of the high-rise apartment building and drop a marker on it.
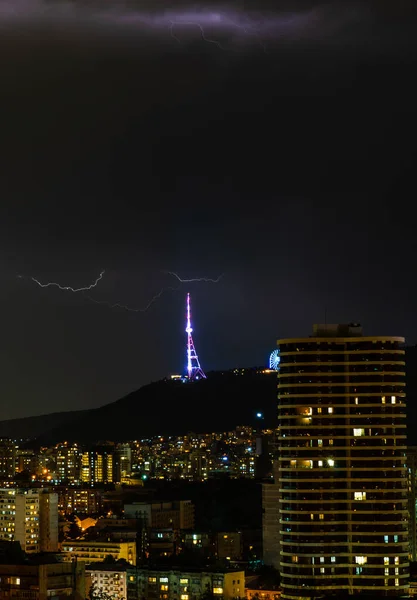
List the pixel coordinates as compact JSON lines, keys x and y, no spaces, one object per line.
{"x":30,"y":517}
{"x":342,"y":464}
{"x":68,"y":463}
{"x":98,"y":466}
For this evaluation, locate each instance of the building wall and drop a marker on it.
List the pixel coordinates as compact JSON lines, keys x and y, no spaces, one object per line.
{"x":48,"y":522}
{"x":412,"y":500}
{"x":343,"y":478}
{"x":270,"y":523}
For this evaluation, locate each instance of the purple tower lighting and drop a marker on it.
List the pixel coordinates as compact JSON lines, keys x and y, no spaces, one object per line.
{"x":194,"y":371}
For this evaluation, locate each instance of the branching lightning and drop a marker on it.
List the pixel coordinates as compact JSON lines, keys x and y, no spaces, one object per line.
{"x":115,"y":305}
{"x":195,"y":279}
{"x":195,"y":24}
{"x":67,"y":288}
{"x":129,"y":308}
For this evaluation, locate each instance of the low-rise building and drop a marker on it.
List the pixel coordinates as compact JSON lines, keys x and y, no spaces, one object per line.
{"x":97,"y":551}
{"x":116,"y":581}
{"x":190,"y":584}
{"x":42,"y":581}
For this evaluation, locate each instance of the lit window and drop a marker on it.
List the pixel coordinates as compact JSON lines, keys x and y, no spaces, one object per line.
{"x":397,"y":581}
{"x":163,"y":579}
{"x":332,"y":559}
{"x":395,"y":539}
{"x":319,"y":442}
{"x":386,"y":539}
{"x":319,"y":410}
{"x":183,"y":581}
{"x":393,"y":399}
{"x":397,"y":560}
{"x":184,"y":596}
{"x":386,"y":560}
{"x":312,"y":517}
{"x":383,"y":399}
{"x":217,"y":590}
{"x":164,"y":588}
{"x":322,"y":559}
{"x":294,"y":559}
{"x":17,"y":580}
{"x":330,"y":462}
{"x":301,"y":463}
{"x":320,"y":463}
{"x":330,"y":410}
{"x":360,"y":495}
{"x":322,"y":570}
{"x":386,"y":572}
{"x":361,"y":560}
{"x":358,"y":432}
{"x":397,"y":570}
{"x":330,"y":442}
{"x":321,"y":516}
{"x":356,"y":400}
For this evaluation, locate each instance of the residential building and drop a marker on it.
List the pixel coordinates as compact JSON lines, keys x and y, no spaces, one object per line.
{"x":342,"y":464}
{"x":271,"y":521}
{"x":68,"y":463}
{"x":94,"y":551}
{"x":74,"y":500}
{"x":190,"y":584}
{"x":98,"y":465}
{"x":42,"y":581}
{"x":116,"y":581}
{"x":29,"y":516}
{"x":163,"y":515}
{"x":7,"y":458}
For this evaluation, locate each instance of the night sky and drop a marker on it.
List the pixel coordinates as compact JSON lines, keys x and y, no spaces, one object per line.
{"x":281,"y":153}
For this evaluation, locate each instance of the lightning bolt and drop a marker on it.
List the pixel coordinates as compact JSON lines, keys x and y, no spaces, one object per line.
{"x":67,"y":288}
{"x":195,"y":24}
{"x":129,"y":308}
{"x":195,"y":279}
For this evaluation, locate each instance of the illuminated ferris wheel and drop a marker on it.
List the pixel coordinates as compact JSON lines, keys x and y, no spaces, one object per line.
{"x":274,"y":360}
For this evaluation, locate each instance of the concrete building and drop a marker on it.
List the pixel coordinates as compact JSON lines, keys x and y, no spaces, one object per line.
{"x":228,"y":544}
{"x":98,"y":465}
{"x":96,"y":551}
{"x":163,"y":515}
{"x":68,"y":463}
{"x":7,"y":458}
{"x":271,"y":522}
{"x":86,"y":501}
{"x":29,"y":517}
{"x":191,"y":584}
{"x":116,"y":581}
{"x":42,"y":581}
{"x":342,"y":464}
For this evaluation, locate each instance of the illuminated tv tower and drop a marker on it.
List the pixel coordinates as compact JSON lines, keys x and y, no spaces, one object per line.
{"x":194,"y":370}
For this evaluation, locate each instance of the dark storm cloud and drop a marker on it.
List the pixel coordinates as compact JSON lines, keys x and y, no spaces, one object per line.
{"x":339,"y":23}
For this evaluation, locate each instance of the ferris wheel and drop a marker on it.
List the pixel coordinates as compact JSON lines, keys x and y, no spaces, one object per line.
{"x":274,"y":360}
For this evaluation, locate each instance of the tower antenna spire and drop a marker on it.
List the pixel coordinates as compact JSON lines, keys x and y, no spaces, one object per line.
{"x":194,"y":371}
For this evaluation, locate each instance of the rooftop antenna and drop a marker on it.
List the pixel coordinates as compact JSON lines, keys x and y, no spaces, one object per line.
{"x":194,"y":371}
